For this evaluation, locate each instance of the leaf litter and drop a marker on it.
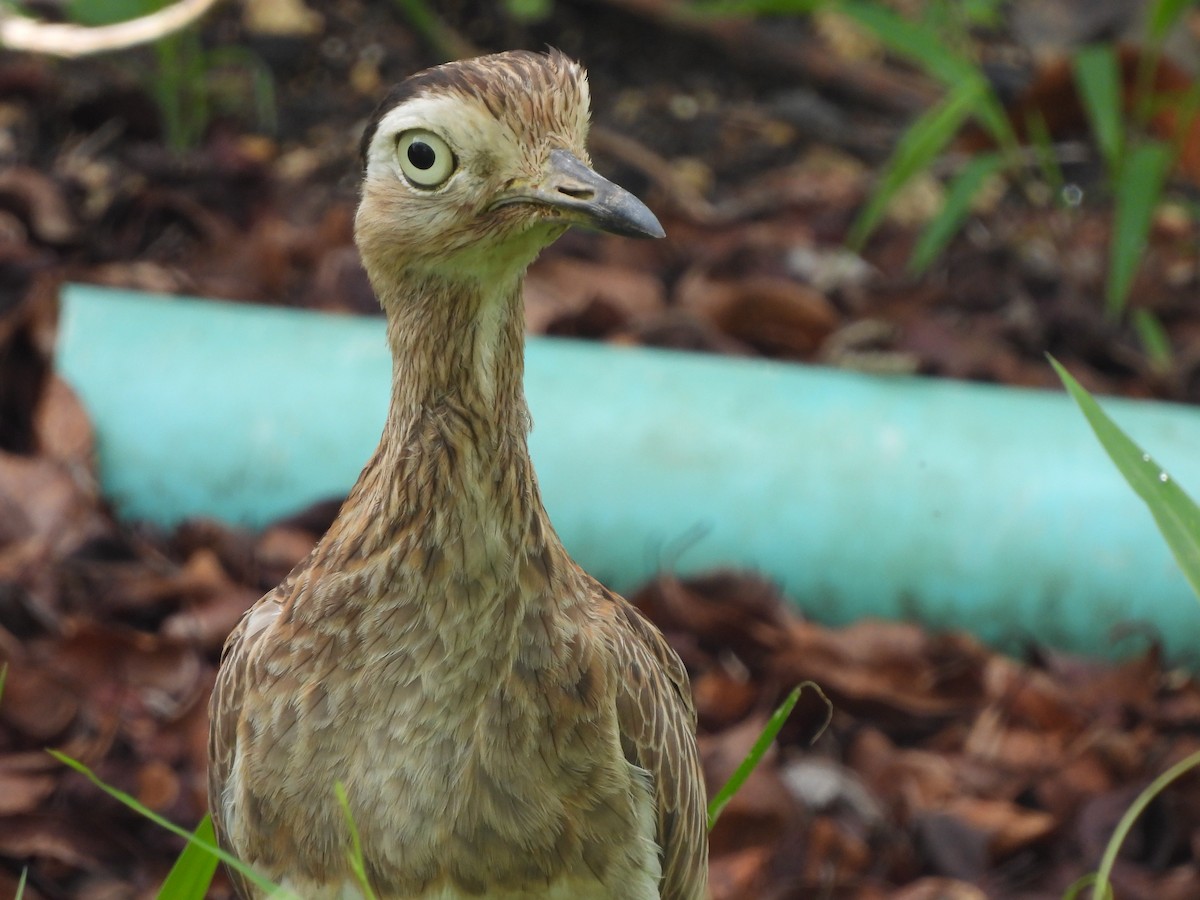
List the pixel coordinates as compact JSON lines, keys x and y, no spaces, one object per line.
{"x":948,"y":770}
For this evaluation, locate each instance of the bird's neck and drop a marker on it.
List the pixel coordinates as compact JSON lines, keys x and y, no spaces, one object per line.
{"x":452,"y":472}
{"x":457,"y":348}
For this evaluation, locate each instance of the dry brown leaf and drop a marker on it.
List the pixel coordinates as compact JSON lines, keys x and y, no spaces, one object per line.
{"x":40,"y":201}
{"x":1028,"y":696}
{"x":738,"y":875}
{"x":886,"y":667}
{"x":63,"y":429}
{"x":994,"y":741}
{"x":281,"y":548}
{"x":917,"y":780}
{"x":777,"y":316}
{"x":939,"y":889}
{"x":1007,"y":826}
{"x":559,"y":289}
{"x":46,"y":510}
{"x":722,"y":699}
{"x":37,"y":704}
{"x":22,"y":792}
{"x":206,"y":623}
{"x":157,"y":785}
{"x":741,"y":613}
{"x":39,"y":835}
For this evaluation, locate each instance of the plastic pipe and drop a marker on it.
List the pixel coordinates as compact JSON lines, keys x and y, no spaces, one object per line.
{"x":959,"y":505}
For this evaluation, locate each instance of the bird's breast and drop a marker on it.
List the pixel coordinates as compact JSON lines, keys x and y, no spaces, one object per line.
{"x":475,"y":734}
{"x":560,"y":889}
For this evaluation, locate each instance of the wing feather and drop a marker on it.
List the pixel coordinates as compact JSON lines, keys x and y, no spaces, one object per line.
{"x":225,"y":708}
{"x":658,"y":727}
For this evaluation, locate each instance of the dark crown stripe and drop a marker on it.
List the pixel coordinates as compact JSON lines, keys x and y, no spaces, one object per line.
{"x":497,"y":81}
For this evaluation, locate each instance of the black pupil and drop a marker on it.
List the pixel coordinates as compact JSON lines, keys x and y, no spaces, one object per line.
{"x":421,"y":155}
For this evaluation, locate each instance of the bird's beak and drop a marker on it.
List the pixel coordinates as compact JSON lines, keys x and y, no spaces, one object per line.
{"x":585,"y":198}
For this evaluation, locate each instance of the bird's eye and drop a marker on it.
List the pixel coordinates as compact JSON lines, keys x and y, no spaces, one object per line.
{"x":425,"y":159}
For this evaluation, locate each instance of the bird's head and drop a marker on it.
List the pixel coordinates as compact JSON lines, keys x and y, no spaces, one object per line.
{"x":479,"y":164}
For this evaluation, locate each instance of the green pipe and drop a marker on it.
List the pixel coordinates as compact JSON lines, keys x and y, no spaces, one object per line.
{"x":959,"y":505}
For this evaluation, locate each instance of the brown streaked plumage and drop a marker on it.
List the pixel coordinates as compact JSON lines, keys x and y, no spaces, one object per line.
{"x":504,"y":726}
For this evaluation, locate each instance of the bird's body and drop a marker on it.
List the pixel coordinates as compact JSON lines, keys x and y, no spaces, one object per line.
{"x":503,"y":726}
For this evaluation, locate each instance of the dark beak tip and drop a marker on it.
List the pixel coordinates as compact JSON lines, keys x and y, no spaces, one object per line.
{"x":608,"y":207}
{"x":629,"y":217}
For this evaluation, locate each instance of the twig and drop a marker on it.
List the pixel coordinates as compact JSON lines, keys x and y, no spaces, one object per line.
{"x":759,"y":198}
{"x":755,"y":47}
{"x":54,"y":39}
{"x":638,"y":156}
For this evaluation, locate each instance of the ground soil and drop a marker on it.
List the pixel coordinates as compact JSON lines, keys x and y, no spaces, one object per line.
{"x":947,"y":770}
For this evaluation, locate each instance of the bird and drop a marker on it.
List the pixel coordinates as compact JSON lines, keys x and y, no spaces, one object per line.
{"x":502,"y":725}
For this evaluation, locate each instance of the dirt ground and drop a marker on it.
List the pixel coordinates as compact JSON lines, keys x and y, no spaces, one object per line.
{"x":947,"y":770}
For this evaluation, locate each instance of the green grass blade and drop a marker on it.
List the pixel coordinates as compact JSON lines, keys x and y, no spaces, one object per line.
{"x":917,"y":42}
{"x":193,"y":871}
{"x":917,"y":150}
{"x":358,"y":865}
{"x":1186,"y":106}
{"x":923,"y":45}
{"x":1177,"y":515}
{"x":529,"y":12}
{"x":721,"y":799}
{"x":954,"y":211}
{"x":1162,"y":17}
{"x":109,"y":12}
{"x":1103,"y":888}
{"x":21,"y":884}
{"x":1076,"y":888}
{"x":1098,"y":78}
{"x":1042,"y":143}
{"x":128,"y":800}
{"x":983,"y":13}
{"x":1138,"y":192}
{"x":1154,"y":339}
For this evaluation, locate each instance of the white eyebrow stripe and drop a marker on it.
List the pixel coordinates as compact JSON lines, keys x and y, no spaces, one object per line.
{"x":460,"y":121}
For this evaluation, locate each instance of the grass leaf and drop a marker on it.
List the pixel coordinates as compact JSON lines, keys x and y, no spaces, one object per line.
{"x":358,"y":865}
{"x":109,"y":12}
{"x":1077,"y":886}
{"x":529,"y":12}
{"x":1042,"y":143}
{"x":954,"y":211}
{"x":1162,"y":17}
{"x":917,"y":42}
{"x":917,"y":150}
{"x":924,"y":45}
{"x":1098,"y":78}
{"x":1154,"y":339}
{"x":759,"y":750}
{"x":1138,"y":190}
{"x":193,"y":871}
{"x":1103,"y":886}
{"x":141,"y":809}
{"x":21,"y":883}
{"x":1177,"y":515}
